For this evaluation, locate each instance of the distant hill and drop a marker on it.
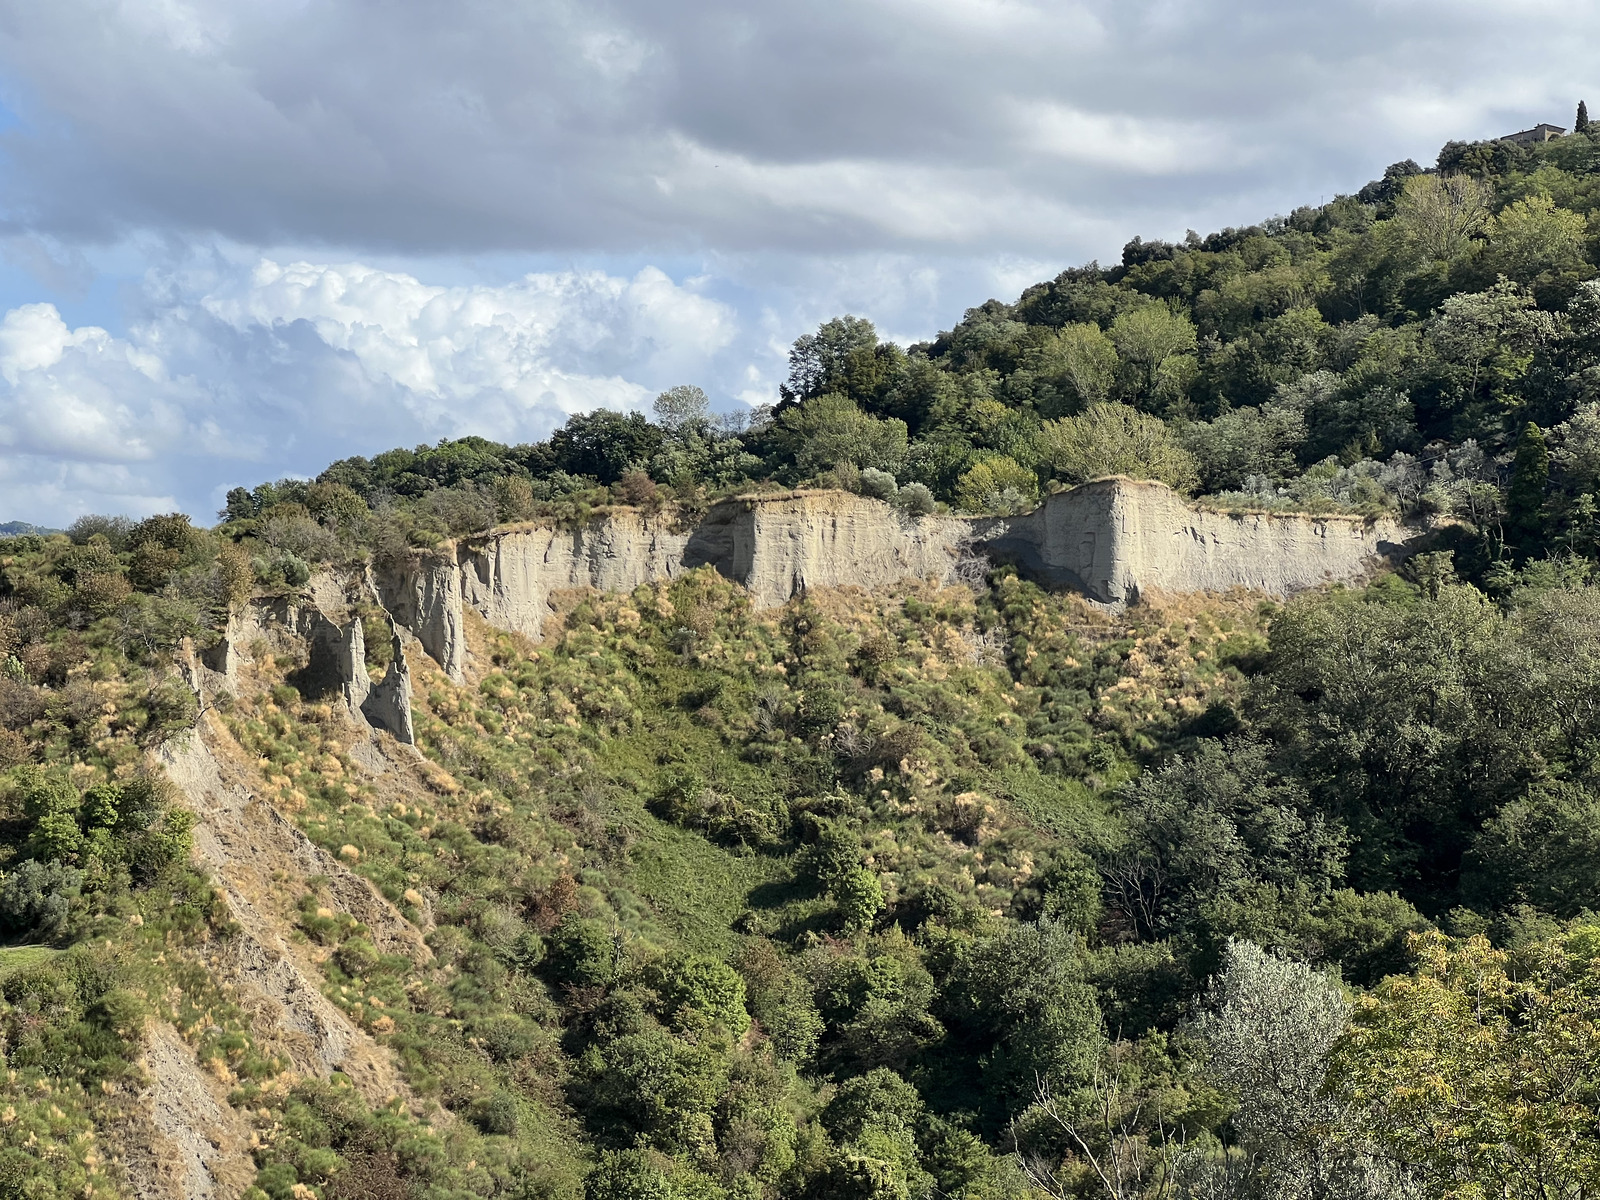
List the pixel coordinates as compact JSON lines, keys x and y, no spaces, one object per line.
{"x":19,"y":528}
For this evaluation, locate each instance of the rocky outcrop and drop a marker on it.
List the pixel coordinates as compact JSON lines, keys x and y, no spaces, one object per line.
{"x":778,"y":546}
{"x":388,"y":702}
{"x":1115,"y":538}
{"x":338,"y":660}
{"x":328,"y":631}
{"x":425,"y":597}
{"x":510,"y":576}
{"x":1111,"y":539}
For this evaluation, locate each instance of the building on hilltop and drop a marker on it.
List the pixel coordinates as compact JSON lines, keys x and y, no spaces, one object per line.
{"x":1529,"y":137}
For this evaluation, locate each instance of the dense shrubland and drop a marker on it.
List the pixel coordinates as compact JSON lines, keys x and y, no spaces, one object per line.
{"x":972,"y":892}
{"x":989,"y":892}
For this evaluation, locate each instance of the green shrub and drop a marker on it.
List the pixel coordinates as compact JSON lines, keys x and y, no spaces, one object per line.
{"x":695,"y":989}
{"x":628,"y":1175}
{"x":859,"y":897}
{"x":582,"y":953}
{"x":36,"y":898}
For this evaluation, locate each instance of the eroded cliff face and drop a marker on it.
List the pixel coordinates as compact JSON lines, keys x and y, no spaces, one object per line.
{"x":1115,"y":538}
{"x":1111,"y":539}
{"x":335,"y":649}
{"x":778,"y":546}
{"x":511,"y":576}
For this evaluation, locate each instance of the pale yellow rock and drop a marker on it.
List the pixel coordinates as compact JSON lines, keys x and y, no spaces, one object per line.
{"x":510,"y":576}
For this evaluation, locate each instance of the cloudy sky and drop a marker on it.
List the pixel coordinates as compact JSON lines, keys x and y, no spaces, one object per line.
{"x":241,"y":238}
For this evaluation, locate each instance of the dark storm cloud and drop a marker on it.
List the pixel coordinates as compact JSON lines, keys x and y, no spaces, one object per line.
{"x":977,"y":126}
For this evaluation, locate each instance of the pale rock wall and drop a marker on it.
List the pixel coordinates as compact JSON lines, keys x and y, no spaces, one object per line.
{"x":388,"y":702}
{"x":1111,"y":539}
{"x":336,"y":651}
{"x":778,"y":546}
{"x":425,"y":597}
{"x":1115,"y":538}
{"x":510,"y":576}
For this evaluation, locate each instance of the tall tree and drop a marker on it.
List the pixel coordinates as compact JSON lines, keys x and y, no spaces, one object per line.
{"x":1580,"y":123}
{"x":1530,"y":476}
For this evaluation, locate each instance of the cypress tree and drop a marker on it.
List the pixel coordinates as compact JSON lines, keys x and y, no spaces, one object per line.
{"x":1581,"y":123}
{"x":1530,"y":474}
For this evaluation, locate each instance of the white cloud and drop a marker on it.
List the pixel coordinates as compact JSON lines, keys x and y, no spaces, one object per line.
{"x":1141,"y":145}
{"x":281,"y":368}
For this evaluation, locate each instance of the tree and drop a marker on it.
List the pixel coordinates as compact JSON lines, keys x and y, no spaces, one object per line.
{"x":1489,"y":338}
{"x":864,"y":1099}
{"x":1022,"y":996}
{"x":1115,"y":1127}
{"x":628,"y":1175}
{"x":696,"y":990}
{"x":1442,"y":213}
{"x":997,"y":484}
{"x":1392,"y":185}
{"x":839,"y":357}
{"x":1146,"y":337}
{"x":1541,"y":849}
{"x":831,"y":429}
{"x":1403,"y":724}
{"x":682,"y":409}
{"x":604,"y":444}
{"x":1113,"y":439}
{"x":1580,"y":123}
{"x":1215,"y":826}
{"x":1532,"y":238}
{"x":662,"y":1090}
{"x":1482,"y":1070}
{"x":1530,"y":478}
{"x":1245,"y":442}
{"x":1083,"y":358}
{"x":583,"y":953}
{"x":1269,"y":1026}
{"x":36,"y":898}
{"x":859,"y":897}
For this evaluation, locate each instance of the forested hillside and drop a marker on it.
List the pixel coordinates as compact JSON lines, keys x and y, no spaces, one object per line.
{"x":972,"y":891}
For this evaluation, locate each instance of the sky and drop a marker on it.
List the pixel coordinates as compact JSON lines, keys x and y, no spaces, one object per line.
{"x":240,"y":239}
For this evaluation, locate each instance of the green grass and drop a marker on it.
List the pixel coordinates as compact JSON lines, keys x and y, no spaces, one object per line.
{"x":17,"y":958}
{"x":696,"y":888}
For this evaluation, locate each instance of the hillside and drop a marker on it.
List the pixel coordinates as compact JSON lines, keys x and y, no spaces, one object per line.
{"x":1139,"y":744}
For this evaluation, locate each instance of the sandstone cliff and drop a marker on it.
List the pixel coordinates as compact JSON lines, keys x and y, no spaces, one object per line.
{"x":1110,"y":539}
{"x":778,"y":546}
{"x":511,"y":575}
{"x":1113,"y":538}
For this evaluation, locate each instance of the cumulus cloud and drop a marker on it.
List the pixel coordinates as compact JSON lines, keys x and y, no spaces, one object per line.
{"x":236,"y":376}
